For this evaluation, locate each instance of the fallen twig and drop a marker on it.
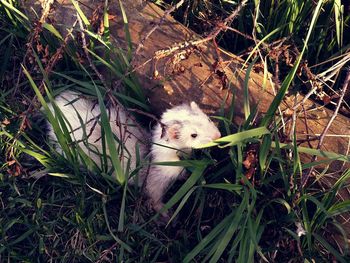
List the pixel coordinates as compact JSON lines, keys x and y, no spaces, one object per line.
{"x":306,"y":176}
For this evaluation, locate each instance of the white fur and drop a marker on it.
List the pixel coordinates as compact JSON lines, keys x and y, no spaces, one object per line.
{"x":183,"y":121}
{"x":73,"y":105}
{"x":173,"y":133}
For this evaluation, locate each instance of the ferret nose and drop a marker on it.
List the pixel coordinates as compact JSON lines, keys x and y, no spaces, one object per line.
{"x":217,"y":135}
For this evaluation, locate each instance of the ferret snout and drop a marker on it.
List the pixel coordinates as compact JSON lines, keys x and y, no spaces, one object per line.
{"x":216,"y":136}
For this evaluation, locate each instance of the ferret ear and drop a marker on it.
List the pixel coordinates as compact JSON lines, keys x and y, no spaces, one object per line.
{"x":173,"y":130}
{"x":194,"y":106}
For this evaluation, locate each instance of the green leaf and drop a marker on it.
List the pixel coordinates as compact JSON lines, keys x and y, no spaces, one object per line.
{"x":15,"y":10}
{"x":53,"y":30}
{"x":63,"y":138}
{"x":209,"y":238}
{"x":126,"y":29}
{"x":180,"y":206}
{"x":330,"y":248}
{"x":339,"y":208}
{"x":329,"y":155}
{"x":236,"y":138}
{"x":264,"y":150}
{"x":234,"y":225}
{"x":225,"y":186}
{"x":80,"y":13}
{"x":196,"y":174}
{"x":338,"y":17}
{"x":246,"y":106}
{"x":111,"y":143}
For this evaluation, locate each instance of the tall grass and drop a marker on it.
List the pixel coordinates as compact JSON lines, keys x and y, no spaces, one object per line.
{"x":224,"y":212}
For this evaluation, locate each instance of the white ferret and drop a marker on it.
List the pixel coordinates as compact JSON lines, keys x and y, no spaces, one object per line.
{"x":180,"y":128}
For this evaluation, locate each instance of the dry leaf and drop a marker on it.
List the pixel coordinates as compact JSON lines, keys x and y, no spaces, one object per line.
{"x":288,"y":113}
{"x":112,"y":17}
{"x":6,"y":122}
{"x":9,"y":163}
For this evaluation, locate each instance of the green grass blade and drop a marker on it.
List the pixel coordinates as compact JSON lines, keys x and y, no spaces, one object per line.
{"x":196,"y":174}
{"x":209,"y":238}
{"x":225,"y":186}
{"x":253,"y":52}
{"x":325,"y":154}
{"x":338,"y":17}
{"x":182,"y":203}
{"x":126,"y":29}
{"x":120,"y":75}
{"x":15,"y":10}
{"x":339,"y":208}
{"x":61,"y":137}
{"x":236,"y":138}
{"x":330,"y":248}
{"x":111,"y":143}
{"x":246,"y":106}
{"x":122,"y":210}
{"x":288,"y":80}
{"x":239,"y":213}
{"x":264,"y":150}
{"x":81,"y":13}
{"x":118,"y":240}
{"x":53,"y":31}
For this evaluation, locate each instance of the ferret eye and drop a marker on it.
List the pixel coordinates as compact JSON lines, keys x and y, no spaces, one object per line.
{"x":194,"y":135}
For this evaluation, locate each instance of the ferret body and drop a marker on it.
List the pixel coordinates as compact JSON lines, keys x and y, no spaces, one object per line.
{"x":180,"y":128}
{"x":84,"y":121}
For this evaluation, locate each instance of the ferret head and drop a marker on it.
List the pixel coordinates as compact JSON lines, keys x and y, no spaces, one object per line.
{"x":187,"y":126}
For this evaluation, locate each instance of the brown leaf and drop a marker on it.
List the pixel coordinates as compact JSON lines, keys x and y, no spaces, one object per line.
{"x":112,"y":17}
{"x":17,"y":170}
{"x":101,"y":28}
{"x":326,"y":99}
{"x":250,"y":160}
{"x":249,"y":173}
{"x":249,"y":163}
{"x":47,"y":53}
{"x":39,"y":48}
{"x":24,"y":124}
{"x":6,"y":122}
{"x":9,"y":163}
{"x":288,"y":112}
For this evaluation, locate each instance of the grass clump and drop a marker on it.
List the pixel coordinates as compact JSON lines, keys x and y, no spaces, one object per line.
{"x":242,"y":203}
